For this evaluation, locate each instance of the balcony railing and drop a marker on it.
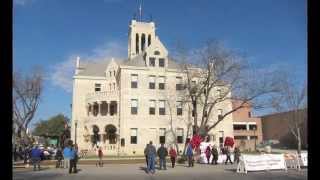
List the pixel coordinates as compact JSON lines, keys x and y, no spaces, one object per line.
{"x":103,"y":95}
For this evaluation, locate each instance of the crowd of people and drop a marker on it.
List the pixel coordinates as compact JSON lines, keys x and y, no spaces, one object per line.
{"x":150,"y":153}
{"x":67,"y":157}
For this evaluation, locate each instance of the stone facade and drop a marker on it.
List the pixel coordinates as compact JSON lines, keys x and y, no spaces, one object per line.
{"x":134,"y":101}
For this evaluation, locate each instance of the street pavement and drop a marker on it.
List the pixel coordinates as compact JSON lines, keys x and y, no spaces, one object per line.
{"x":137,"y":172}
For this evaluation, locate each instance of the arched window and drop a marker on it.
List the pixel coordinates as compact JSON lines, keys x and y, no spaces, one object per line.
{"x":111,"y":135}
{"x":137,"y":43}
{"x":156,"y":53}
{"x":95,"y":138}
{"x":143,"y":42}
{"x":103,"y":108}
{"x":95,"y":109}
{"x":149,"y":39}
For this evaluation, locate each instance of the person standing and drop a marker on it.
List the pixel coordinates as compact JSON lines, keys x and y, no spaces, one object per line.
{"x":208,"y":154}
{"x":228,"y":154}
{"x":162,"y":153}
{"x":59,"y":157}
{"x":145,"y":154}
{"x":100,"y":155}
{"x":215,"y":154}
{"x":173,"y":155}
{"x":66,"y":156}
{"x":190,"y":155}
{"x":36,"y":157}
{"x":237,"y":155}
{"x":72,"y":159}
{"x":151,"y":154}
{"x":76,"y":158}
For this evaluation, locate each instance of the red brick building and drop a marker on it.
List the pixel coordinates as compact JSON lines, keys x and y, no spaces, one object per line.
{"x":275,"y":128}
{"x":247,"y":130}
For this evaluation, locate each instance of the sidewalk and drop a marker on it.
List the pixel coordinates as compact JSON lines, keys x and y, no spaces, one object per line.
{"x":52,"y":163}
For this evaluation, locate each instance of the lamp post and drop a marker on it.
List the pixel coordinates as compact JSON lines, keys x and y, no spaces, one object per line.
{"x":75,"y":131}
{"x":222,"y":132}
{"x":255,"y":139}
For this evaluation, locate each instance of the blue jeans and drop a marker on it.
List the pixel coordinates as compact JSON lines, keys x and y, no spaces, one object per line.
{"x":36,"y":162}
{"x":162,"y":162}
{"x":151,"y":163}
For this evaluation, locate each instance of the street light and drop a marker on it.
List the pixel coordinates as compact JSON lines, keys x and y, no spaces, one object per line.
{"x":75,"y":131}
{"x":255,"y":139}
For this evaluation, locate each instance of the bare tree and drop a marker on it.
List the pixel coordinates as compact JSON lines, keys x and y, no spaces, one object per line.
{"x":27,"y":90}
{"x":292,"y":99}
{"x":221,"y":76}
{"x":170,"y":100}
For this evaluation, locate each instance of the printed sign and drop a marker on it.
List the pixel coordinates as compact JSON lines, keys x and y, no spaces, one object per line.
{"x":261,"y":162}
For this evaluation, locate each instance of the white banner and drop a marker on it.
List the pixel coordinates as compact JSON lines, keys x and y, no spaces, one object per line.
{"x":261,"y":162}
{"x":304,"y":158}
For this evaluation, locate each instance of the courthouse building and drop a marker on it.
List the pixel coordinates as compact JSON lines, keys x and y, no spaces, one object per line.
{"x":122,"y":104}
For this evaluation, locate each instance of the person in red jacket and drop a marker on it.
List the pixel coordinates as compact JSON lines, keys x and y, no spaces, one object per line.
{"x":100,"y":155}
{"x":173,"y":155}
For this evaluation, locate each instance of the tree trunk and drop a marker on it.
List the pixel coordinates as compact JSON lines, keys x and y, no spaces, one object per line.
{"x":185,"y":144}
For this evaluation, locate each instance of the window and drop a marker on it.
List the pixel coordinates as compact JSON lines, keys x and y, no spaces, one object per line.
{"x":95,"y":109}
{"x":133,"y":138}
{"x":252,"y":127}
{"x":179,"y":85}
{"x":219,"y":93}
{"x":89,"y":109}
{"x":134,"y":81}
{"x":205,"y":114}
{"x":113,"y":108}
{"x":161,"y":82}
{"x":152,"y":61}
{"x":104,"y":108}
{"x":162,"y":109}
{"x":179,"y":135}
{"x":249,"y":114}
{"x":110,"y":73}
{"x":253,"y":137}
{"x":137,"y":43}
{"x":122,"y":142}
{"x":114,"y":86}
{"x":149,"y":40}
{"x":97,"y":87}
{"x":156,"y":53}
{"x":240,"y":137}
{"x":239,"y":127}
{"x":220,"y":116}
{"x":152,"y":108}
{"x":162,"y":135}
{"x":114,"y":73}
{"x":110,"y":86}
{"x":134,"y":106}
{"x":161,"y":62}
{"x":152,"y":82}
{"x":143,"y":42}
{"x":179,"y":108}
